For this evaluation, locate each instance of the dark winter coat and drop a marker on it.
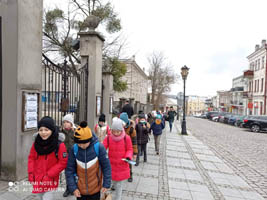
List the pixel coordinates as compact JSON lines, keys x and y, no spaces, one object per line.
{"x":128,"y":109}
{"x":142,"y":133}
{"x":157,"y":128}
{"x":171,"y":115}
{"x":88,"y":162}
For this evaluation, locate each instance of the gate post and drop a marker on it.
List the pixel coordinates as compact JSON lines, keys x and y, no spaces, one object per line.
{"x":107,"y":94}
{"x":21,"y":64}
{"x":91,"y":43}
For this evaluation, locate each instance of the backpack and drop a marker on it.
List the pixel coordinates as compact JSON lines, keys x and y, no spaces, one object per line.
{"x":96,"y":148}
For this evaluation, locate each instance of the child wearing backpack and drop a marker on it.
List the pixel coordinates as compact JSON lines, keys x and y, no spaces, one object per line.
{"x":68,"y":129}
{"x":142,"y":131}
{"x":88,"y":166}
{"x":119,"y":147}
{"x":102,"y":129}
{"x":157,"y":126}
{"x":48,"y":157}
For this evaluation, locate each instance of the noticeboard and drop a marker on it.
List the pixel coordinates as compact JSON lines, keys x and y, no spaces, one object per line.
{"x":30,"y":110}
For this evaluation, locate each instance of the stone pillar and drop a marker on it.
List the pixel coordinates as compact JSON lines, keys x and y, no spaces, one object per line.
{"x":91,"y":44}
{"x":22,"y":56}
{"x":107,"y":94}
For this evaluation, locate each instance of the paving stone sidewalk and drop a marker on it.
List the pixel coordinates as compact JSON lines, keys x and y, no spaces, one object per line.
{"x":186,"y":169}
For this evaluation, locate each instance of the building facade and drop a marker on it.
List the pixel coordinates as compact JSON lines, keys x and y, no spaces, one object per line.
{"x":237,"y":101}
{"x":137,"y":83}
{"x":224,"y":98}
{"x":255,"y":94}
{"x":196,"y":105}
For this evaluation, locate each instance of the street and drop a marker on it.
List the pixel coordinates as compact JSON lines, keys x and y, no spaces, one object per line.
{"x":243,"y":150}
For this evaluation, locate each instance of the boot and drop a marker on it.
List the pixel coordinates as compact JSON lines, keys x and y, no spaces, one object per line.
{"x":66,"y":193}
{"x":130,"y":179}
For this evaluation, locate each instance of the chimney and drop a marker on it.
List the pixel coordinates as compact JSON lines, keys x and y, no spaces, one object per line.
{"x":257,"y":47}
{"x":263,"y":42}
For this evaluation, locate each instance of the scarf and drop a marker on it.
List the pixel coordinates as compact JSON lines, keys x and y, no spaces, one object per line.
{"x":118,"y":138}
{"x":45,"y":147}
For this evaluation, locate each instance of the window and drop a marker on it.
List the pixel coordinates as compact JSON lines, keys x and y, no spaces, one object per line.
{"x":258,"y":86}
{"x":255,"y":86}
{"x":262,"y":61}
{"x":262,"y":80}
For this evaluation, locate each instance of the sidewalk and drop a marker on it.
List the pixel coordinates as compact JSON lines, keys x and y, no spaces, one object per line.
{"x":186,"y":169}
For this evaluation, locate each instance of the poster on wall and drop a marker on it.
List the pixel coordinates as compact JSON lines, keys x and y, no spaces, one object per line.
{"x":110,"y":105}
{"x":30,"y":111}
{"x":98,"y":106}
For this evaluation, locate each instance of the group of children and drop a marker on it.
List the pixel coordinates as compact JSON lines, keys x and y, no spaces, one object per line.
{"x":83,"y":155}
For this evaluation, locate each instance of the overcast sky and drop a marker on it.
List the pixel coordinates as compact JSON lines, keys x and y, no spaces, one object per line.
{"x":212,"y":37}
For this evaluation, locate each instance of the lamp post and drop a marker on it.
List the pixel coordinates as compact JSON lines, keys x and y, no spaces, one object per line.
{"x":184,"y":73}
{"x":177,"y":117}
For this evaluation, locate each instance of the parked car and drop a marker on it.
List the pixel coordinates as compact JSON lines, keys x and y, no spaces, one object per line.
{"x":215,"y":118}
{"x":211,"y":114}
{"x":247,"y":121}
{"x":239,"y":120}
{"x":203,"y":116}
{"x":226,"y":118}
{"x":232,"y":119}
{"x":221,"y":116}
{"x":256,"y":123}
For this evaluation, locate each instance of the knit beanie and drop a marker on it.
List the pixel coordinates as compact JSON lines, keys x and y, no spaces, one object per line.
{"x":102,"y":118}
{"x":69,"y":118}
{"x":140,"y":116}
{"x":117,"y":124}
{"x":47,"y":122}
{"x":124,"y":117}
{"x":83,"y":133}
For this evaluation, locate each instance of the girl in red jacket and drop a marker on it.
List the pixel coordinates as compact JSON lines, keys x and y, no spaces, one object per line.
{"x":48,"y":157}
{"x":119,"y":147}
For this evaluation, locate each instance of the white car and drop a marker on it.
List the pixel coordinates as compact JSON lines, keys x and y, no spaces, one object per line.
{"x":215,"y":119}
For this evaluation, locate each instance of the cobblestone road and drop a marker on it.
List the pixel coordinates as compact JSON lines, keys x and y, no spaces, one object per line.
{"x":244,"y":151}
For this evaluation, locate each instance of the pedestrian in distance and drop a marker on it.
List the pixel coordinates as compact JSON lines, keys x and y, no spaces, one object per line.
{"x":47,"y":158}
{"x":156,"y":127}
{"x":88,"y":170}
{"x":142,"y":131}
{"x":119,"y":147}
{"x":68,"y":128}
{"x":129,"y":128}
{"x":171,"y":115}
{"x":102,"y":128}
{"x":128,"y":109}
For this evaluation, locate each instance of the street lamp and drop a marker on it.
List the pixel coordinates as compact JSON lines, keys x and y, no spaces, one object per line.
{"x":184,"y":73}
{"x":177,"y":117}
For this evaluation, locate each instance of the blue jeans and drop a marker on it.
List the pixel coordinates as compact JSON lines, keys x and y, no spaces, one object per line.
{"x":170,"y":124}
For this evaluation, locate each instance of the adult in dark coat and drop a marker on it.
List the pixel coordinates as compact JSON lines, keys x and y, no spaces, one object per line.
{"x":128,"y":109}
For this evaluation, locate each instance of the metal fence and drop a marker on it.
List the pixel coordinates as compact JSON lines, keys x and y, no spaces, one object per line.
{"x":64,"y":91}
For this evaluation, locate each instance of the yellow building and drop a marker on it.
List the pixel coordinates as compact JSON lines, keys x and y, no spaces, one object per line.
{"x":195,"y":105}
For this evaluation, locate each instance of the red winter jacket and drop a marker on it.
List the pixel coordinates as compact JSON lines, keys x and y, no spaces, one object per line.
{"x":116,"y":151}
{"x":44,"y":170}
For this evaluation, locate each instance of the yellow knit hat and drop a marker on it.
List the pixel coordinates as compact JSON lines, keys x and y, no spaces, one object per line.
{"x":83,"y":133}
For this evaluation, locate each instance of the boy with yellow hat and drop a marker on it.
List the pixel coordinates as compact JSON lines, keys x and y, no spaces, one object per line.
{"x":89,"y":164}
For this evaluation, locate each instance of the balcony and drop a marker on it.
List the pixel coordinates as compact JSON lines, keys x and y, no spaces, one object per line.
{"x":247,"y":95}
{"x":248,"y":74}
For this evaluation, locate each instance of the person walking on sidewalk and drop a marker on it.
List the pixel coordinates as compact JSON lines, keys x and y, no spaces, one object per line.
{"x":88,"y":171}
{"x":142,"y":131}
{"x":102,"y":129}
{"x":48,"y":157}
{"x":68,"y":128}
{"x":171,"y":116}
{"x":119,"y":147}
{"x":129,"y":128}
{"x":157,"y":128}
{"x":128,"y":109}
